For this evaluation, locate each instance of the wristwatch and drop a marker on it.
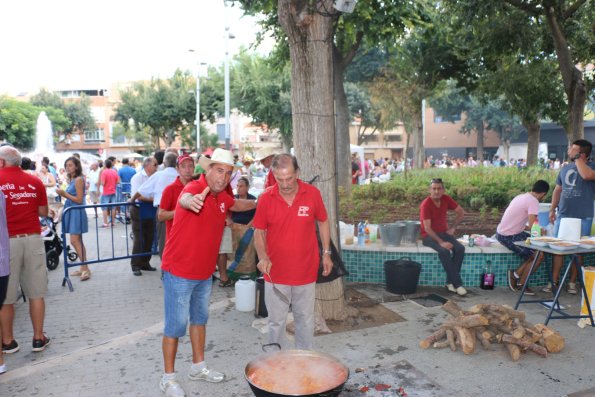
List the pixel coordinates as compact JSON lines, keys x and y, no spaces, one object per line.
{"x":327,"y":252}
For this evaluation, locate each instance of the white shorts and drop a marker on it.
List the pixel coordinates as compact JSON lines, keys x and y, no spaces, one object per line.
{"x":226,"y":246}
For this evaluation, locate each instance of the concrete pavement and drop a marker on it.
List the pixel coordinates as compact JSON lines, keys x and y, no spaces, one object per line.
{"x":106,"y":341}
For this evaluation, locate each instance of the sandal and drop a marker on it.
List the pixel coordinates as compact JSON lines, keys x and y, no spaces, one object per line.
{"x":85,"y":275}
{"x":76,"y":273}
{"x":226,"y":283}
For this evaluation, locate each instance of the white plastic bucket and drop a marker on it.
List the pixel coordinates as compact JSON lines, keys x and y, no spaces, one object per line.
{"x":245,"y":290}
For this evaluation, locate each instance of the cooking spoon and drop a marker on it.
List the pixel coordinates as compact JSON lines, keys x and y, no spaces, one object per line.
{"x":278,"y":292}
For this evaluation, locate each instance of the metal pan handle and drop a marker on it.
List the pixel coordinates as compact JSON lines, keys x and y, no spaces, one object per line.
{"x":268,"y":347}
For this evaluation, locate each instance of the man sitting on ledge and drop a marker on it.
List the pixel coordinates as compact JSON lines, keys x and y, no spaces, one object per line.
{"x":437,"y":235}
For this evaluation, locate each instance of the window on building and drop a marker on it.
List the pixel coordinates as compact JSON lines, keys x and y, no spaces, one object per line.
{"x":96,"y":135}
{"x":393,"y":138}
{"x":438,"y":118}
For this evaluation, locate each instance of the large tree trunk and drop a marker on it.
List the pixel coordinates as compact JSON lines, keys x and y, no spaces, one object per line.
{"x":574,"y":84}
{"x":310,"y":36}
{"x":341,"y":124}
{"x":480,"y":139}
{"x":533,"y":135}
{"x":419,"y":151}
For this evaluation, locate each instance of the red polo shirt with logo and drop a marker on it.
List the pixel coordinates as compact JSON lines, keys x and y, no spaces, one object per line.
{"x":169,"y":200}
{"x":291,"y":240}
{"x":192,"y":246}
{"x":24,"y":195}
{"x":428,"y":210}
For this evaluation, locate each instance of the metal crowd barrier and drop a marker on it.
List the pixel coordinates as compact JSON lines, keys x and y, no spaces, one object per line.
{"x":114,"y":247}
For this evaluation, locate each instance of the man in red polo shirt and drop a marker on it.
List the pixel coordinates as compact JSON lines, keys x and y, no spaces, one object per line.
{"x":437,"y":235}
{"x":188,"y":262}
{"x":169,"y":197}
{"x":285,"y":239}
{"x":26,"y":201}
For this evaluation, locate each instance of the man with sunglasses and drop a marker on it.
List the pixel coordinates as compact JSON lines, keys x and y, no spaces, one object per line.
{"x":437,"y":234}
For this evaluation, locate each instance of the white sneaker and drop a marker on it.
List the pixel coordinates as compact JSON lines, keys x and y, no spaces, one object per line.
{"x":461,"y":291}
{"x":206,"y":374}
{"x":451,"y":288}
{"x":171,"y":387}
{"x":572,"y":288}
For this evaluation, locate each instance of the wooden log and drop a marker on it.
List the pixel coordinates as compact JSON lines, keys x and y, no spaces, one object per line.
{"x":525,"y":345}
{"x":519,"y":332}
{"x":467,"y":339}
{"x":553,"y":341}
{"x":510,"y":312}
{"x":452,"y":308}
{"x":441,"y":345}
{"x":514,"y":351}
{"x":450,"y":337}
{"x":481,"y":333}
{"x":435,"y":337}
{"x":473,"y":320}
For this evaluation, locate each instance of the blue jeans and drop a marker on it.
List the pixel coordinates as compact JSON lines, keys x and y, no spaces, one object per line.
{"x":585,"y":226}
{"x":184,"y":298}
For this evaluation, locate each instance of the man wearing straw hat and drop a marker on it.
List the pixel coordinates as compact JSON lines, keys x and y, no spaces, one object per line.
{"x":189,"y":261}
{"x":573,"y":197}
{"x":265,"y":156}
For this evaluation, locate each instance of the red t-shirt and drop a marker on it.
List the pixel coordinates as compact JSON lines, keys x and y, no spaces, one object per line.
{"x":109,"y":179}
{"x":192,"y":246}
{"x":169,"y":199}
{"x":291,"y":233}
{"x":428,"y":210}
{"x":24,"y":195}
{"x":270,"y":180}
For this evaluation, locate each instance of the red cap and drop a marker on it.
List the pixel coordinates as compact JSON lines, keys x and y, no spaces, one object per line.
{"x":184,"y":157}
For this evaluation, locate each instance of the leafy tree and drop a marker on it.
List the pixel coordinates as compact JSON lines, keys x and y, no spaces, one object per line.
{"x":80,"y":115}
{"x":17,"y":122}
{"x":532,"y":32}
{"x":162,"y":106}
{"x":65,"y":117}
{"x":361,"y":107}
{"x":262,"y":92}
{"x":45,"y":98}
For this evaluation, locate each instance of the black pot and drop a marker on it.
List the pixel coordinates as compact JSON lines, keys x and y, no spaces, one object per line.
{"x":268,"y":360}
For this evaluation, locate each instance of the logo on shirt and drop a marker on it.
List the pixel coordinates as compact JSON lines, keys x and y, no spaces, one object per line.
{"x":31,"y":186}
{"x":7,"y":186}
{"x":303,"y":211}
{"x":222,"y":207}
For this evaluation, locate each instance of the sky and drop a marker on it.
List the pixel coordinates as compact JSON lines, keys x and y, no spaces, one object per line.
{"x":90,"y":44}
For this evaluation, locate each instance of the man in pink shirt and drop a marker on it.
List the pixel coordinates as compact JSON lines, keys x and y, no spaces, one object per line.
{"x":108,"y":180}
{"x":520,"y":214}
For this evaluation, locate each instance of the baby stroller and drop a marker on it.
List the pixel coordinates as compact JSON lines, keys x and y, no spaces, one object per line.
{"x":53,"y":244}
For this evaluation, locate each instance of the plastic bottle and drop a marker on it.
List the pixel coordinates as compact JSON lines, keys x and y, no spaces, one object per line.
{"x":487,"y":278}
{"x":366,"y":233}
{"x":535,"y":230}
{"x":245,"y":290}
{"x":361,"y":238}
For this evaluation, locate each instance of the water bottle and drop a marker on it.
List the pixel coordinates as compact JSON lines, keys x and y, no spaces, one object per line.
{"x":487,"y":278}
{"x":366,"y":233}
{"x":361,"y":238}
{"x":535,"y":230}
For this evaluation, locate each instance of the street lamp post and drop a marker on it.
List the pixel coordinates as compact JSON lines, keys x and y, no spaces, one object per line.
{"x":228,"y":36}
{"x":197,"y":118}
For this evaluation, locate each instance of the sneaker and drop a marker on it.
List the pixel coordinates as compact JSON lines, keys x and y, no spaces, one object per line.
{"x":39,"y":345}
{"x":12,"y":347}
{"x":205,"y":374}
{"x":171,"y":387}
{"x":572,"y":288}
{"x":461,"y":291}
{"x":529,"y":291}
{"x":549,"y":288}
{"x":451,"y":288}
{"x":3,"y":368}
{"x":513,"y":282}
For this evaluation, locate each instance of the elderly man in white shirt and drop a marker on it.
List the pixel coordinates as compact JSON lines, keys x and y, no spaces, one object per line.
{"x":143,"y":218}
{"x":154,"y":186}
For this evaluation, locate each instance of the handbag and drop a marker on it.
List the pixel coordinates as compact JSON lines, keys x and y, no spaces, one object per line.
{"x":338,"y":269}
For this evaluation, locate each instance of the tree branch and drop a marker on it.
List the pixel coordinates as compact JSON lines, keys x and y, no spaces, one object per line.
{"x":520,"y":4}
{"x":353,"y":50}
{"x":572,"y":9}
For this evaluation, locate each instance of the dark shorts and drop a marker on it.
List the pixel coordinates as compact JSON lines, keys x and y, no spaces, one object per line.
{"x":508,"y":242}
{"x":3,"y":289}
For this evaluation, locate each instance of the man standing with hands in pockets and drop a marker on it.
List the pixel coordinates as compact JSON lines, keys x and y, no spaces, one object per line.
{"x":287,"y":247}
{"x":189,"y":261}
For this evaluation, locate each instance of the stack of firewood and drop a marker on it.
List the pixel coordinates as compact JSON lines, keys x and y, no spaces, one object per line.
{"x":490,"y":324}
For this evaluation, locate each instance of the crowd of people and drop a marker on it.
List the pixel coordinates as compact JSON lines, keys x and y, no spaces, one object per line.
{"x":185,"y":208}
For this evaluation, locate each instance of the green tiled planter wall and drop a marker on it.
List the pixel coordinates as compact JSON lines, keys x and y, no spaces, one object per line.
{"x":368,"y":266}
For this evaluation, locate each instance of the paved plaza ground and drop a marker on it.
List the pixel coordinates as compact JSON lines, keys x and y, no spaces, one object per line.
{"x":106,"y":341}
